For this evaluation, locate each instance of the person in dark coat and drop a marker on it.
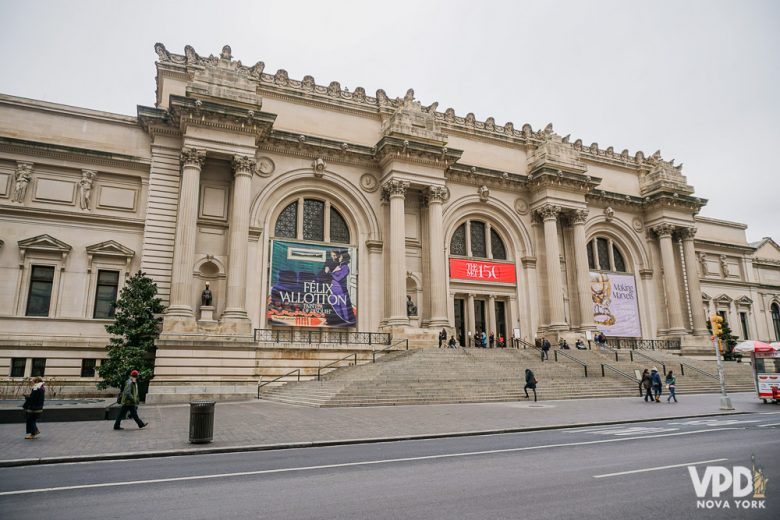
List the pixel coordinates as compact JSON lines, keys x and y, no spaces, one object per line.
{"x":442,"y":337}
{"x":545,"y":349}
{"x":645,"y":386}
{"x":129,"y":401}
{"x":33,"y":407}
{"x":655,"y":378}
{"x":530,"y":382}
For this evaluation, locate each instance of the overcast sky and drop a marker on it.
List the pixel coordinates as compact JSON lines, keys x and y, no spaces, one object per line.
{"x":698,"y":80}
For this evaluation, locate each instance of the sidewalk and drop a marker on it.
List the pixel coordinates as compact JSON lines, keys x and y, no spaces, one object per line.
{"x":251,"y":425}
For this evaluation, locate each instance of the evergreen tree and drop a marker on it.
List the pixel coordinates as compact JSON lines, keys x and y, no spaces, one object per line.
{"x":133,"y":332}
{"x":727,"y":340}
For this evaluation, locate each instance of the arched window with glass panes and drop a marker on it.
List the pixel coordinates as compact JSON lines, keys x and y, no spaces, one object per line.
{"x":604,"y":255}
{"x":477,"y":239}
{"x":312,"y":219}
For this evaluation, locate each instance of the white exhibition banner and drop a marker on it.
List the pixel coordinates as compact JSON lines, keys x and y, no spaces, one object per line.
{"x":615,"y":306}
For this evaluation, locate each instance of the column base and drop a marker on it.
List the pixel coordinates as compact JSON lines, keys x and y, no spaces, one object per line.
{"x":235,"y":322}
{"x":398,"y":321}
{"x":176,"y":324}
{"x":439,"y":323}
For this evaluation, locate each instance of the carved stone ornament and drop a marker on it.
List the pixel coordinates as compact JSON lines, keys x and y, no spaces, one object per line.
{"x":265,"y":166}
{"x":549,"y":212}
{"x":318,"y":166}
{"x":703,"y":268}
{"x":724,"y":266}
{"x":663,"y":230}
{"x":193,"y":157}
{"x":687,"y":233}
{"x":609,"y":213}
{"x":369,"y":183}
{"x":85,"y":188}
{"x":521,"y":207}
{"x":438,"y":194}
{"x":579,"y":216}
{"x":395,"y":188}
{"x":637,"y":225}
{"x":484,"y":193}
{"x":243,"y":165}
{"x":23,"y":178}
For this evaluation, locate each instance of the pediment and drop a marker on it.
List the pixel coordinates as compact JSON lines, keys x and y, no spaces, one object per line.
{"x":706,"y":297}
{"x":724,"y":298}
{"x":44,"y":244}
{"x":768,"y":249}
{"x":110,"y":248}
{"x":744,"y":300}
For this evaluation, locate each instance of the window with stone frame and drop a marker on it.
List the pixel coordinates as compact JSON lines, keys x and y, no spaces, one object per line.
{"x":497,"y":246}
{"x":39,"y":295}
{"x":105,"y":294}
{"x":474,"y":233}
{"x":313,"y":222}
{"x":458,"y":241}
{"x":604,"y":255}
{"x":478,"y":245}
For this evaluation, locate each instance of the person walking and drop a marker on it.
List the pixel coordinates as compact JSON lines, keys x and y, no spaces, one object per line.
{"x":530,"y":382}
{"x":671,"y":384}
{"x":33,"y":407}
{"x":645,"y":385}
{"x":129,"y":400}
{"x":655,"y":378}
{"x":545,"y":349}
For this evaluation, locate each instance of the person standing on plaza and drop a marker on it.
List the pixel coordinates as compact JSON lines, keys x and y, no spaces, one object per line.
{"x":33,"y":407}
{"x":129,"y":401}
{"x":492,"y":339}
{"x":645,"y":385}
{"x":530,"y":382}
{"x":671,"y":384}
{"x":545,"y":349}
{"x":442,"y":337}
{"x":655,"y":378}
{"x":484,"y":339}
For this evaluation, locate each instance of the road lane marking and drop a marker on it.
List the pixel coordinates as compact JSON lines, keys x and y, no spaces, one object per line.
{"x":715,"y":422}
{"x":350,"y":464}
{"x":767,"y":425}
{"x":658,"y":468}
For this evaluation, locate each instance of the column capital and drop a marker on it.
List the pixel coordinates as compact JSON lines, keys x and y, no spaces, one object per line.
{"x":663,"y":230}
{"x":191,"y":156}
{"x":374,"y":246}
{"x":438,"y":194}
{"x":579,"y":216}
{"x":687,"y":233}
{"x":549,"y":212}
{"x":243,"y":165}
{"x":395,"y":188}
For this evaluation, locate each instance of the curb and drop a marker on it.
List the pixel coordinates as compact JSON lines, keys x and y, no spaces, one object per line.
{"x":316,"y":444}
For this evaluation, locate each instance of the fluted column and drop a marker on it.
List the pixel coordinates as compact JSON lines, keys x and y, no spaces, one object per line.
{"x":395,"y":191}
{"x":238,"y":242}
{"x":377,"y":282}
{"x":583,"y":271}
{"x":694,"y":285}
{"x":186,"y":225}
{"x":491,"y":314}
{"x":671,"y":281}
{"x":471,"y":320}
{"x":549,"y":215}
{"x":437,"y":261}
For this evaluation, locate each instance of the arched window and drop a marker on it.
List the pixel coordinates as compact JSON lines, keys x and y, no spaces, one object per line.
{"x":776,"y":320}
{"x":473,"y":239}
{"x":319,"y":221}
{"x":604,"y":255}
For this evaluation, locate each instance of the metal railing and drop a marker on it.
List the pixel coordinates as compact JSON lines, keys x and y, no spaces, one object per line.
{"x":617,"y":371}
{"x":329,"y":365}
{"x":646,"y":344}
{"x":261,"y":384}
{"x":390,"y":348}
{"x":569,"y":356}
{"x":683,"y":366}
{"x":322,"y":336}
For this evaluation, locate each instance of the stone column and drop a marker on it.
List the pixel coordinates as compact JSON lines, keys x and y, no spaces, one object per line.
{"x":471,"y":321}
{"x":180,"y":310}
{"x":671,"y":283}
{"x":491,"y":314}
{"x":549,"y":214}
{"x":694,"y":285}
{"x":395,"y":190}
{"x":377,"y":282}
{"x":583,"y":271}
{"x":437,"y":261}
{"x":235,"y":319}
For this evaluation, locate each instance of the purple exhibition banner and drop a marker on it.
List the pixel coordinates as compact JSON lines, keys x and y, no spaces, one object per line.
{"x":615,"y":304}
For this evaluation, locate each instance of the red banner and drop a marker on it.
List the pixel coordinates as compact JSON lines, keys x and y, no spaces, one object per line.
{"x":482,"y":271}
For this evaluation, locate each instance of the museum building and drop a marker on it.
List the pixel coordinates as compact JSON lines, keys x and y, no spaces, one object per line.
{"x":320,"y":211}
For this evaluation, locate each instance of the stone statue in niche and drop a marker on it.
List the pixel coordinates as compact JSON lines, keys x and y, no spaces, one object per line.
{"x":205,"y":297}
{"x":703,"y":264}
{"x":85,"y":188}
{"x":724,"y":266}
{"x":23,"y":177}
{"x":411,"y":308}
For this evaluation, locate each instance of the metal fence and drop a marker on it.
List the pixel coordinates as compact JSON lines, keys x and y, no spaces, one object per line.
{"x":646,"y":344}
{"x":322,"y":336}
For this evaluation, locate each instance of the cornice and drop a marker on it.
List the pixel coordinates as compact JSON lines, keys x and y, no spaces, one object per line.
{"x":674,"y":200}
{"x":727,"y":223}
{"x":187,"y":111}
{"x":84,"y":155}
{"x":82,"y":113}
{"x":391,"y":148}
{"x":615,"y":199}
{"x":477,"y":176}
{"x":307,"y":146}
{"x":546,"y":177}
{"x":714,"y":243}
{"x":60,"y":216}
{"x":766,"y":262}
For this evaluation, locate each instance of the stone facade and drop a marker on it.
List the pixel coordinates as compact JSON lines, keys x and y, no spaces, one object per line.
{"x":196,"y":189}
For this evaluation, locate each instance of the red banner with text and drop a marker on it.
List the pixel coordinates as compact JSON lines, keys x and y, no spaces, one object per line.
{"x":482,"y":271}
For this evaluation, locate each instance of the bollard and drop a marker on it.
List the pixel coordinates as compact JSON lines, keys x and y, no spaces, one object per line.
{"x":201,"y":422}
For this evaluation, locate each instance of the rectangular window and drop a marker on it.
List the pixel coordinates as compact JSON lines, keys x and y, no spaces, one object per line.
{"x":88,"y":367}
{"x":743,"y":318}
{"x":38,"y":367}
{"x":39,"y":296}
{"x":105,"y":294}
{"x":17,"y":367}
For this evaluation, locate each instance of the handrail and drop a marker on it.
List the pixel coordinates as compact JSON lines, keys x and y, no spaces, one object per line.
{"x":682,"y":365}
{"x":619,"y":372}
{"x":389,"y":348}
{"x":261,"y":384}
{"x":569,"y":356}
{"x":319,"y":370}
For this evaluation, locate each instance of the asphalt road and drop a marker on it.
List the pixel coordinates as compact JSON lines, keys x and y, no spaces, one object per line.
{"x":629,"y":471}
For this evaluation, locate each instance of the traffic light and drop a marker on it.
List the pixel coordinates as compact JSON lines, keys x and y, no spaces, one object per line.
{"x":716,"y":321}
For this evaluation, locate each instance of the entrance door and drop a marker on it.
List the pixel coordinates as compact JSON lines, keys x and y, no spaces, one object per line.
{"x":500,"y":320}
{"x":479,"y":315}
{"x":460,"y":320}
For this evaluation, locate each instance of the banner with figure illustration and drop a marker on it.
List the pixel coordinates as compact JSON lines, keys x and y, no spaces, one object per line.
{"x":615,"y":305}
{"x":312,"y":285}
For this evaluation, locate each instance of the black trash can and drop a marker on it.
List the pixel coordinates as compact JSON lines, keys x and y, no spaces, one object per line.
{"x":201,"y":422}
